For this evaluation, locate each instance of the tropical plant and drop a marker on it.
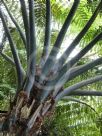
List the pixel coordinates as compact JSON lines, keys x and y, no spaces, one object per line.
{"x":41,"y":87}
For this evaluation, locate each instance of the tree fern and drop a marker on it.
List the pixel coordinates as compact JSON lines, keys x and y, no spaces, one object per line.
{"x":40,"y":88}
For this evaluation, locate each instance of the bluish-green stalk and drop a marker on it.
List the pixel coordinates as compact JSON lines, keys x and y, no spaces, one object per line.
{"x":74,"y":87}
{"x":65,"y":72}
{"x":50,"y":61}
{"x":32,"y":50}
{"x":26,"y":25}
{"x":16,"y":24}
{"x":86,"y":93}
{"x":47,"y":39}
{"x":78,"y":38}
{"x":19,"y":69}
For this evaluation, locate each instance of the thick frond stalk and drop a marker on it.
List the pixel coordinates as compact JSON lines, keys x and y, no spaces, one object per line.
{"x":47,"y":33}
{"x":86,"y":93}
{"x":60,"y":80}
{"x":70,"y":74}
{"x":74,"y":87}
{"x":50,"y":61}
{"x":78,"y":101}
{"x":26,"y":25}
{"x":16,"y":24}
{"x":8,"y":59}
{"x":82,"y":69}
{"x":19,"y":68}
{"x":32,"y":58}
{"x":76,"y":41}
{"x":77,"y":57}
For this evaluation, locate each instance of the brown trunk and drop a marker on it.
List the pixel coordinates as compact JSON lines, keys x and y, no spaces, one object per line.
{"x":27,"y":116}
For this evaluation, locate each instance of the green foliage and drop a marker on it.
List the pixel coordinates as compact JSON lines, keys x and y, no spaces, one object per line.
{"x":73,"y":119}
{"x":7,"y":80}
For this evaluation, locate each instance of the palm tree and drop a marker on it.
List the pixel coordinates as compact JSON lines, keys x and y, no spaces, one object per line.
{"x":41,"y":87}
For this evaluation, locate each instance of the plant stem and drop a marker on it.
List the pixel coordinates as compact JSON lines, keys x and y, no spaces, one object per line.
{"x":32,"y":50}
{"x":47,"y":33}
{"x":86,"y":93}
{"x":50,"y":61}
{"x":26,"y":25}
{"x":19,"y":68}
{"x":74,"y":87}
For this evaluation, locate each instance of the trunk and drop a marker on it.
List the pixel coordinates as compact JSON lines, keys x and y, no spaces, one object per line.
{"x":26,"y":119}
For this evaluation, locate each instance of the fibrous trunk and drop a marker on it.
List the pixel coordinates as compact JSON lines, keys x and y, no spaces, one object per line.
{"x":26,"y":116}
